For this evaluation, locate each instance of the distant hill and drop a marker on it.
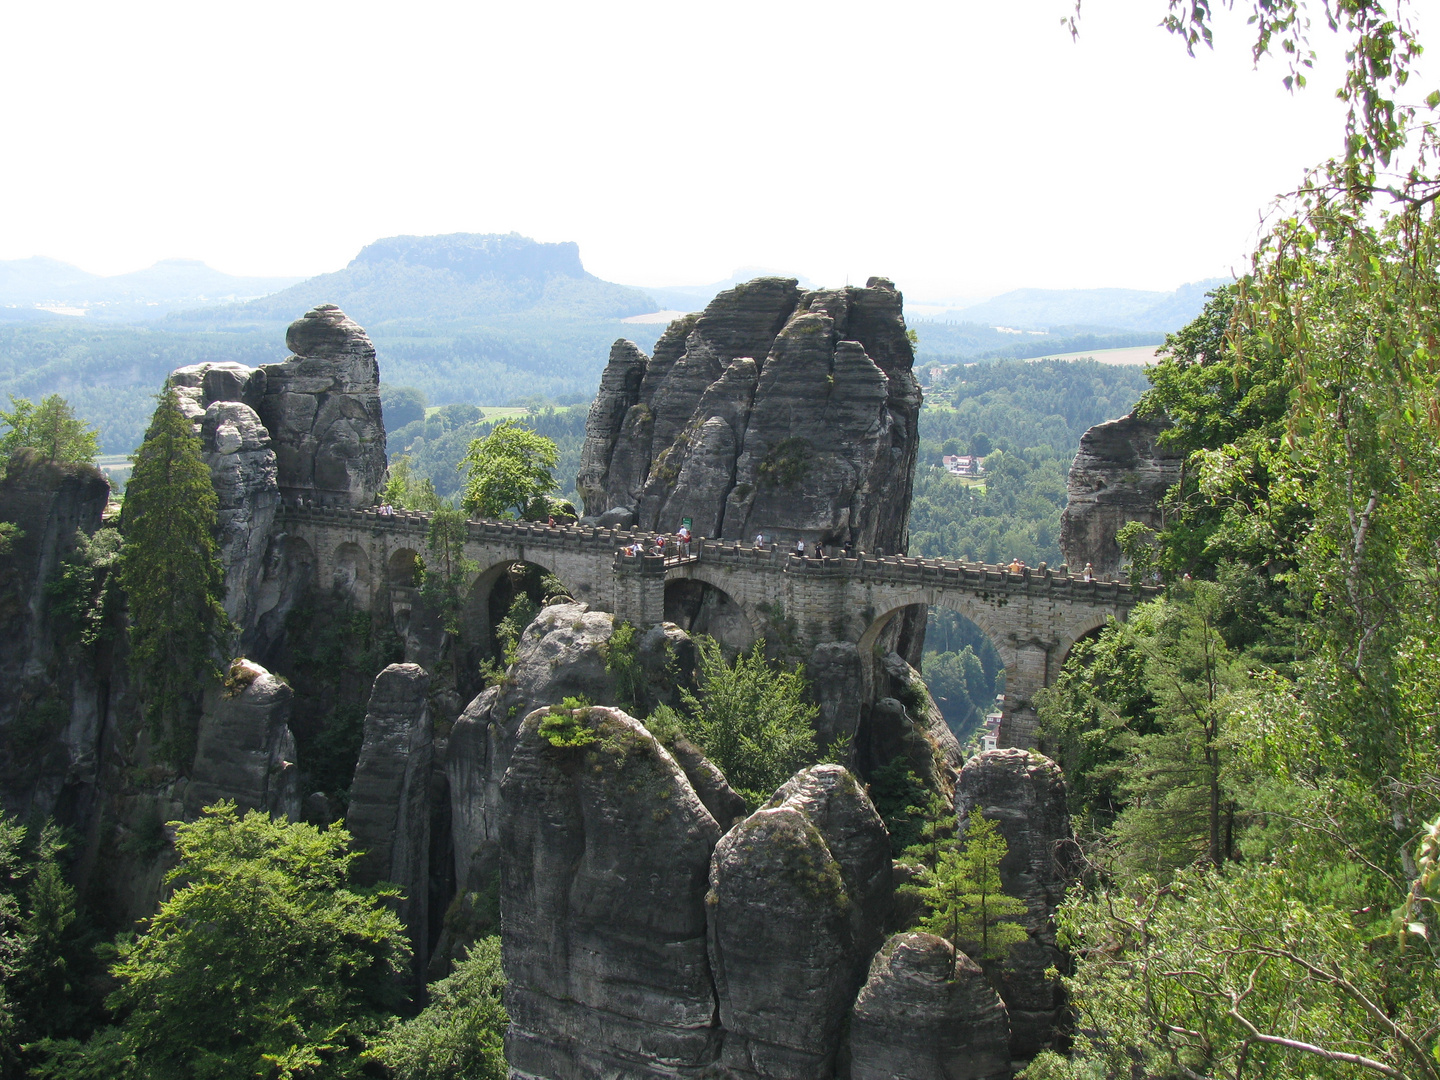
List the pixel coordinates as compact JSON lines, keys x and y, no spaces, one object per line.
{"x":1091,"y":309}
{"x":42,"y":288}
{"x":443,"y":280}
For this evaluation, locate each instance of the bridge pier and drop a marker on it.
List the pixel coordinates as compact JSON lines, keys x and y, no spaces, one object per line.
{"x":640,"y":589}
{"x":1034,"y":666}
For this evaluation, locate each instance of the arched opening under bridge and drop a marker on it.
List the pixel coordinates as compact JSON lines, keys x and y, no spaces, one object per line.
{"x":503,"y":598}
{"x":962,"y":669}
{"x":350,"y":573}
{"x":698,"y":607}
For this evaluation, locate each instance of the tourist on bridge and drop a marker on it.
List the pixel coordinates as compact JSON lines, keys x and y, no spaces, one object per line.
{"x":1089,"y":572}
{"x":682,"y":541}
{"x":759,"y":541}
{"x":800,"y":548}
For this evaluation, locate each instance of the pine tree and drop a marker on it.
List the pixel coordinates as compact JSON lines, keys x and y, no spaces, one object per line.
{"x":172,"y":576}
{"x":968,"y":906}
{"x":51,"y":427}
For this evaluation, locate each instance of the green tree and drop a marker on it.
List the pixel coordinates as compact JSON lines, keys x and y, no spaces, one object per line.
{"x":1233,"y":974}
{"x":751,"y":719}
{"x":1179,"y":806}
{"x":51,"y":427}
{"x":902,"y":800}
{"x":406,"y":491}
{"x":511,"y":628}
{"x":506,"y":469}
{"x":967,"y":904}
{"x":172,"y":576}
{"x":264,"y":962}
{"x":83,"y":590}
{"x":445,"y":568}
{"x":14,"y":942}
{"x":46,"y":946}
{"x":460,"y":1035}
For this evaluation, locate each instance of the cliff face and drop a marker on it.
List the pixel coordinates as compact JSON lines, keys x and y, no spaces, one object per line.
{"x":54,"y":701}
{"x":1120,"y":474}
{"x":777,"y":410}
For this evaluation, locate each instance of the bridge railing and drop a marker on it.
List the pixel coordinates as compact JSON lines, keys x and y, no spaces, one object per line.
{"x":418,"y":521}
{"x":891,"y":568}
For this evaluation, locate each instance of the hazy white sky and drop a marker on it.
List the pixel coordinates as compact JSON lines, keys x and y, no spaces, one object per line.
{"x":961,"y":147}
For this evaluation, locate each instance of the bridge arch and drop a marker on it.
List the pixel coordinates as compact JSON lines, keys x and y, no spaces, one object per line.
{"x":954,"y":600}
{"x":1072,"y":635}
{"x":492,"y":591}
{"x":981,"y":614}
{"x":402,"y":568}
{"x":350,"y":572}
{"x":699,"y":606}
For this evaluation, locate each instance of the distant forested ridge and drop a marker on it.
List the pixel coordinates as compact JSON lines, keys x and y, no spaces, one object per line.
{"x":466,"y":319}
{"x":1026,"y":419}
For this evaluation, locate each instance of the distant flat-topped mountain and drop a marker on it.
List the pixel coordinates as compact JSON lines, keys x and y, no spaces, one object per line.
{"x":43,"y":288}
{"x":456,"y":277}
{"x":1121,"y":309}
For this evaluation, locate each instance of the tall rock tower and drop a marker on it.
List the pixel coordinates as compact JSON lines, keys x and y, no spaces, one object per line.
{"x":776,"y":410}
{"x":322,"y":409}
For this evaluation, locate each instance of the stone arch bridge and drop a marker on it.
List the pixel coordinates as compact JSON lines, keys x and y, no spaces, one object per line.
{"x":1032,"y":618}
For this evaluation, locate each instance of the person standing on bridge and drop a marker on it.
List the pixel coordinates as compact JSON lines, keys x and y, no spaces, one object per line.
{"x":800,"y":548}
{"x":759,"y":541}
{"x":682,"y":540}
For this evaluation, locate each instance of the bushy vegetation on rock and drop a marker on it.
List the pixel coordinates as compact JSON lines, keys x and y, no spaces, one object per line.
{"x":460,"y":1034}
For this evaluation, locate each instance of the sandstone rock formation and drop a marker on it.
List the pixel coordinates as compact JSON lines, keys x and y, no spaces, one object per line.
{"x":1024,"y":793}
{"x":605,"y":850}
{"x":776,"y":410}
{"x":242,"y":468}
{"x":559,"y":655}
{"x":926,"y":1014}
{"x":389,"y":813}
{"x":53,"y":706}
{"x":244,"y":748}
{"x":835,"y":674}
{"x":562,"y":653}
{"x":799,"y":894}
{"x":1120,"y":474}
{"x":220,"y":400}
{"x":322,"y":409}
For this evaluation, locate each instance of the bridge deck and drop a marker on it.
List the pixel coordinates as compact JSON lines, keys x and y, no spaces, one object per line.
{"x":867,"y":567}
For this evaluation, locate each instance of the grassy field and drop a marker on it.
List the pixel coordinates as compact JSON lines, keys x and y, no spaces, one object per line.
{"x":499,"y":412}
